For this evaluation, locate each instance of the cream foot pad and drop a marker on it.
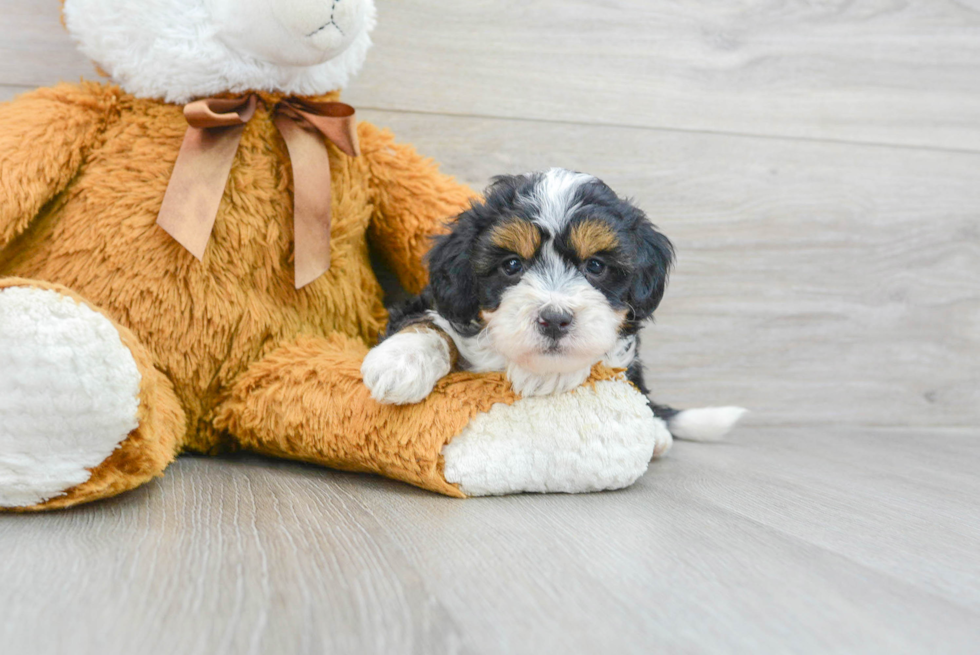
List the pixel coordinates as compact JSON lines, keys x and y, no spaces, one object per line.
{"x":69,"y":392}
{"x":588,"y":439}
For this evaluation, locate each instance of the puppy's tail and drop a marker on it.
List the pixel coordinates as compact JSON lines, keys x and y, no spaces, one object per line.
{"x":701,"y":424}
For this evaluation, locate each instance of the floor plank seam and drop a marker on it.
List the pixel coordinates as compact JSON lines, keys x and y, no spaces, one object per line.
{"x":681,"y":130}
{"x":836,"y":553}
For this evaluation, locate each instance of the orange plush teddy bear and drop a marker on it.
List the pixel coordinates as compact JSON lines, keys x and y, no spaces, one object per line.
{"x":184,"y":266}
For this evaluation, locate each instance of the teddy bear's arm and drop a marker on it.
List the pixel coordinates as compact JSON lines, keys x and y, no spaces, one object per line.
{"x":412,"y":201}
{"x":305,"y":400}
{"x":44,"y":137}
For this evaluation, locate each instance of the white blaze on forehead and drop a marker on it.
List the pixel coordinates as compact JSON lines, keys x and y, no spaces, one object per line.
{"x":551,"y":202}
{"x":552,"y":206}
{"x":553,"y":274}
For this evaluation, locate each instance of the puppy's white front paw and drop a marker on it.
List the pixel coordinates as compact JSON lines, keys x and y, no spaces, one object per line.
{"x":405,"y":367}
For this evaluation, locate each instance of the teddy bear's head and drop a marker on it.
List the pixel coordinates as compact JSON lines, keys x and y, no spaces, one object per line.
{"x":178,"y":50}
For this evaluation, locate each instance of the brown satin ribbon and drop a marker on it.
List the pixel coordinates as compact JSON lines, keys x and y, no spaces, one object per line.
{"x":215,"y":127}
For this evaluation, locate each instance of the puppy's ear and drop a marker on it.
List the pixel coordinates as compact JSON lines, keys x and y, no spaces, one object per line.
{"x":654,"y":259}
{"x":452,"y":280}
{"x":504,"y":189}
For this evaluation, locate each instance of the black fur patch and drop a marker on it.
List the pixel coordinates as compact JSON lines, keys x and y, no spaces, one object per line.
{"x":637,"y":270}
{"x":465,"y":275}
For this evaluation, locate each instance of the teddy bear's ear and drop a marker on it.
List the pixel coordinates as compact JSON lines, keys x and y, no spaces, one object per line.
{"x":452,"y":285}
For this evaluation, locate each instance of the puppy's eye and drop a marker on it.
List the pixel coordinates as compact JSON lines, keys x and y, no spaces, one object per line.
{"x":512,"y":266}
{"x":595,"y":266}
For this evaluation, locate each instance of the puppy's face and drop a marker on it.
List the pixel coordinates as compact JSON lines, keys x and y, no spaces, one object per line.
{"x":553,"y":268}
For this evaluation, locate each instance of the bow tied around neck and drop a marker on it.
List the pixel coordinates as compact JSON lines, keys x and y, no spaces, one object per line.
{"x":215,"y":127}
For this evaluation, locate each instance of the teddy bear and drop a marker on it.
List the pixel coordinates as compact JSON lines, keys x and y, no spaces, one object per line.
{"x":184,"y":267}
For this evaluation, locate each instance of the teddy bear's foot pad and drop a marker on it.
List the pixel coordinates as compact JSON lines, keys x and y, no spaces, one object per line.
{"x":590,"y":439}
{"x":69,"y":392}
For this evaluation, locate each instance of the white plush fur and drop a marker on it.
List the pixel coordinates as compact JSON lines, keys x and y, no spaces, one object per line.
{"x":69,"y":391}
{"x":705,"y":423}
{"x":405,"y":367}
{"x":178,"y":50}
{"x":589,"y":439}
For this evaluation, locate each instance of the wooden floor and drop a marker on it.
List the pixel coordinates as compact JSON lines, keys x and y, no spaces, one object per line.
{"x":818,"y":167}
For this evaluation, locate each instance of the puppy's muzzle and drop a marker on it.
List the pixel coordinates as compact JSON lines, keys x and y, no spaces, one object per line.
{"x":554,"y":323}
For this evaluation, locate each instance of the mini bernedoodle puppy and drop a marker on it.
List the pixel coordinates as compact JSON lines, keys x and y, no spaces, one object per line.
{"x":551,"y":273}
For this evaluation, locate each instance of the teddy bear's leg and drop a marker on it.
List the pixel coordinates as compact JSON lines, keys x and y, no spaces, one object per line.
{"x":307,"y":401}
{"x":84,"y":414}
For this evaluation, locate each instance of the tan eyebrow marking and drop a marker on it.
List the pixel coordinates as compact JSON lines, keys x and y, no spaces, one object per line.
{"x":517,"y":236}
{"x":592,"y":236}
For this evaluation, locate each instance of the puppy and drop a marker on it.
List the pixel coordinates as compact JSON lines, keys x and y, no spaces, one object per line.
{"x":551,"y":273}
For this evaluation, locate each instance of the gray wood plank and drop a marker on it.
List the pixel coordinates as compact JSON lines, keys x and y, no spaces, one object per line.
{"x":817,"y":283}
{"x":882,"y":497}
{"x":875,"y":71}
{"x":35,"y":49}
{"x":11,"y":91}
{"x":871,"y":71}
{"x":221,"y":557}
{"x":718,"y":549}
{"x":686,"y":562}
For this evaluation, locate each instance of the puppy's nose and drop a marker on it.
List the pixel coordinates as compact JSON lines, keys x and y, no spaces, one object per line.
{"x":554,"y":323}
